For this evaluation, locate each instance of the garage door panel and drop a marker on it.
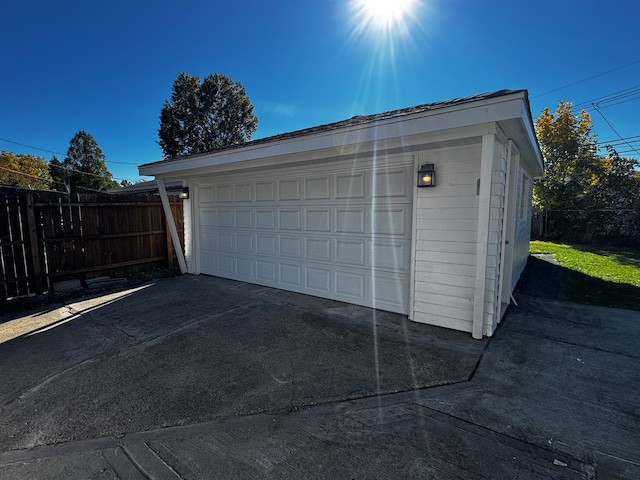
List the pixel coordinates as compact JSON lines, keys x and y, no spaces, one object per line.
{"x":317,"y":188}
{"x":387,"y":291}
{"x":318,"y":280}
{"x":350,"y":251}
{"x":266,"y":218}
{"x":289,"y":219}
{"x":318,"y":249}
{"x":390,"y":255}
{"x":350,"y":286}
{"x":208,"y":239}
{"x":226,"y":265}
{"x":243,"y":192}
{"x":266,"y":191}
{"x":391,"y":220}
{"x":350,"y":220}
{"x":391,"y":183}
{"x":350,"y":186}
{"x":289,"y":190}
{"x":266,"y":244}
{"x":317,"y":219}
{"x":290,"y":246}
{"x":244,"y":268}
{"x":340,"y":235}
{"x":226,"y":241}
{"x":244,"y":242}
{"x":224,"y":218}
{"x":223,"y":194}
{"x":266,"y":271}
{"x":207,"y":218}
{"x":244,"y":218}
{"x":291,"y":275}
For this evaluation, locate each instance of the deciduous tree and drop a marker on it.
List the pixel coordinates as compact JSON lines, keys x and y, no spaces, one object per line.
{"x":24,"y":170}
{"x":583,"y":195}
{"x":201,"y":117}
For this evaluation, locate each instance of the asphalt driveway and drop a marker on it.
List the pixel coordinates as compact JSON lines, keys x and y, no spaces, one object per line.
{"x":198,"y":377}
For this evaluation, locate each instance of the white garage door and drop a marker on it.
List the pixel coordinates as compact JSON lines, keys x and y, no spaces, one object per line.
{"x":339,"y":231}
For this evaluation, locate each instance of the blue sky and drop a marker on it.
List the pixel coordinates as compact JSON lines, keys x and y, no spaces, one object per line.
{"x":107,"y":67}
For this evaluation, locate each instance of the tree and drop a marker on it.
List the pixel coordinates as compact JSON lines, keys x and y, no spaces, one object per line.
{"x":86,"y":163}
{"x":201,"y":117}
{"x":583,"y":195}
{"x":569,"y":151}
{"x":24,"y":170}
{"x":58,"y":172}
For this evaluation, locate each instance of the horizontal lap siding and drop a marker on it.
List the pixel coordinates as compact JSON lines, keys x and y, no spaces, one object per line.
{"x":498,"y":186}
{"x":446,"y":235}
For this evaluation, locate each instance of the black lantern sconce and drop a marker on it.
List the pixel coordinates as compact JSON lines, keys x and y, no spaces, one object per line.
{"x":184,"y":194}
{"x":427,"y":176}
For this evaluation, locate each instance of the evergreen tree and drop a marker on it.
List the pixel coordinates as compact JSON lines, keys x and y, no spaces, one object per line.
{"x":86,"y":163}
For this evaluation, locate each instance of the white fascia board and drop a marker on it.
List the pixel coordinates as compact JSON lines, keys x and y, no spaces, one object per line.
{"x":401,"y":131}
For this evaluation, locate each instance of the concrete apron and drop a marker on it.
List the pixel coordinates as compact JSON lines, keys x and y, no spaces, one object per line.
{"x":256,"y":383}
{"x":197,"y":348}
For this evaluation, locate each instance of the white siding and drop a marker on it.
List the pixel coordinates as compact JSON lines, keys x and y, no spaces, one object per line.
{"x":522,"y":234}
{"x":498,"y":186}
{"x":446,"y":234}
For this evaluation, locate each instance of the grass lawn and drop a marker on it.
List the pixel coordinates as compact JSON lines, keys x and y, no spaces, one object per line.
{"x":597,"y":274}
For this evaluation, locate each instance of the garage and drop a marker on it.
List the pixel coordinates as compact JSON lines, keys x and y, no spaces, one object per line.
{"x":340,"y":211}
{"x":341,"y":230}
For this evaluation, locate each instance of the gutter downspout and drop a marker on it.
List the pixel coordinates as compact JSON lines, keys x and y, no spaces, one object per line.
{"x":177,"y":245}
{"x":484,"y":211}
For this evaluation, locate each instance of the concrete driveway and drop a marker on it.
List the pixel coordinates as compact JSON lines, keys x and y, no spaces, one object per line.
{"x":199,"y":377}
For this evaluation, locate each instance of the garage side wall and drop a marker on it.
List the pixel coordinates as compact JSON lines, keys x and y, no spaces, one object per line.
{"x":498,"y":188}
{"x":446,"y":236}
{"x":522,"y":232}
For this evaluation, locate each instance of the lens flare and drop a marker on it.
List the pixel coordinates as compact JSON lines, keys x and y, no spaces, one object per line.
{"x":383,"y":15}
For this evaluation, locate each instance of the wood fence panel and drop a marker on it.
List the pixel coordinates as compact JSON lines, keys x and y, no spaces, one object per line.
{"x":47,"y":237}
{"x":14,"y":245}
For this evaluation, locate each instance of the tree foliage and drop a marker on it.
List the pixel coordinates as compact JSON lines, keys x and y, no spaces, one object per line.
{"x":24,"y":170}
{"x":86,"y":163}
{"x":584,"y":195}
{"x":202,"y":117}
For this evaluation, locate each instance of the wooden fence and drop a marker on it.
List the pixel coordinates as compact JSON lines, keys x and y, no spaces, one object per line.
{"x":47,"y":237}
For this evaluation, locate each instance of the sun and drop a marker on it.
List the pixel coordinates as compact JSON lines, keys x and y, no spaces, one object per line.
{"x":383,"y":15}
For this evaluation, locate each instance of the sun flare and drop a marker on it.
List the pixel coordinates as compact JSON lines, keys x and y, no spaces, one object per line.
{"x":384,"y":15}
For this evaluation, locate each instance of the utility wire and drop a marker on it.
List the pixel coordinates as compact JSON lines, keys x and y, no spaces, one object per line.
{"x":32,"y":147}
{"x":52,"y":181}
{"x":586,"y":79}
{"x":595,"y":105}
{"x":58,"y":153}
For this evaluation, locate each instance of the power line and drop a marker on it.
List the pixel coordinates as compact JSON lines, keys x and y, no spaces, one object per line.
{"x":30,"y":146}
{"x":58,"y":153}
{"x":52,"y":181}
{"x":616,"y":98}
{"x":614,"y":130}
{"x":586,"y":79}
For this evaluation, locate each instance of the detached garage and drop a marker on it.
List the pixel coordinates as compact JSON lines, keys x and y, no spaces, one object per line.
{"x":335,"y":211}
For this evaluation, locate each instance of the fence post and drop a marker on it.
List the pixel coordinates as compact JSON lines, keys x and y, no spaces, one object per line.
{"x":33,"y":241}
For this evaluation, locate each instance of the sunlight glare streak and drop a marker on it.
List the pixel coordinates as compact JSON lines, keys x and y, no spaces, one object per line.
{"x":383,"y":15}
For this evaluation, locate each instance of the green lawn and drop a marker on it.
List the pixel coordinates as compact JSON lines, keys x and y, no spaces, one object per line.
{"x":598,"y":274}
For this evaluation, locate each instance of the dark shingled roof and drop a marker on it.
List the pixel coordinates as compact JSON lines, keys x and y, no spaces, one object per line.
{"x":359,"y":120}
